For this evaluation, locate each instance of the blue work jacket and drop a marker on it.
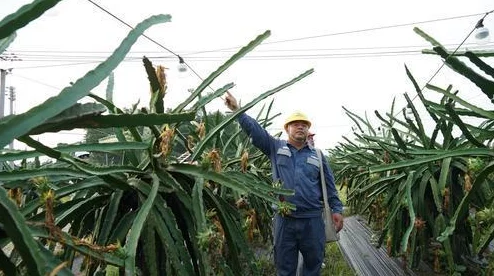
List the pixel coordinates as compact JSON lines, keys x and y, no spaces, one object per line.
{"x":297,"y":170}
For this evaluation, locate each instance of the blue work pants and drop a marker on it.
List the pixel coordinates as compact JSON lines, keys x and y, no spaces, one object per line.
{"x":298,"y":234}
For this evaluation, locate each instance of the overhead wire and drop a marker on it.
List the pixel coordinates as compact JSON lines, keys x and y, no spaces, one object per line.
{"x":347,"y":32}
{"x":285,"y":40}
{"x":354,"y":55}
{"x":372,"y":29}
{"x":54,"y":65}
{"x":128,"y":25}
{"x":344,"y":50}
{"x":255,"y":57}
{"x":446,"y":59}
{"x":35,"y":81}
{"x":315,"y":56}
{"x":232,"y":50}
{"x":150,"y":39}
{"x":342,"y":33}
{"x":374,"y":54}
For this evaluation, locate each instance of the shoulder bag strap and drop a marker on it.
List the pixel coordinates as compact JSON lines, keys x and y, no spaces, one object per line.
{"x":323,"y":183}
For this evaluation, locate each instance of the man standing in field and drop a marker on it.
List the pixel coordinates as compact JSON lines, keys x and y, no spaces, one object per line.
{"x":295,"y":164}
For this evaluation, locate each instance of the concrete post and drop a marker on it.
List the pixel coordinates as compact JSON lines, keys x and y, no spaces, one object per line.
{"x":3,"y":74}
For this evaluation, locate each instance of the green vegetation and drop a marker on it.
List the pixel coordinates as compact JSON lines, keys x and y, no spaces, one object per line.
{"x":170,"y":199}
{"x":335,"y":263}
{"x":188,"y":194}
{"x":428,"y":194}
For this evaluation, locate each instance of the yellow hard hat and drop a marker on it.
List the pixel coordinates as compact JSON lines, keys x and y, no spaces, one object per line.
{"x":297,"y":116}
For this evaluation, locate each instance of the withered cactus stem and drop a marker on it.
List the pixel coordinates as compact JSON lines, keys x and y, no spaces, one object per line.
{"x":201,"y":130}
{"x":190,"y":142}
{"x":467,"y":185}
{"x":386,"y":158}
{"x":251,"y":221}
{"x":160,"y":73}
{"x":166,"y":143}
{"x":446,"y":199}
{"x":244,"y":161}
{"x":215,"y":159}
{"x":49,"y":198}
{"x":16,"y":195}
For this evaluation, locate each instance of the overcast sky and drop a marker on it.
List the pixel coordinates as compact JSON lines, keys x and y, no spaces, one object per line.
{"x":358,"y":50}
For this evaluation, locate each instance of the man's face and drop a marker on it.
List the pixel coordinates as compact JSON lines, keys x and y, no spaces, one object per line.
{"x":310,"y":139}
{"x":298,"y":130}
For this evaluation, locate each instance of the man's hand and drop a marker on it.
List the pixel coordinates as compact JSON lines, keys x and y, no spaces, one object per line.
{"x":231,"y":102}
{"x":338,"y":221}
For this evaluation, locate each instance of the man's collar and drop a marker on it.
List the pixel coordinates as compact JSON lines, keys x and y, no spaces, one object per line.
{"x":305,"y":145}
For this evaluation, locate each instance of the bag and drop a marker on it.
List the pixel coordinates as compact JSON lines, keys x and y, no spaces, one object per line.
{"x":329,"y":229}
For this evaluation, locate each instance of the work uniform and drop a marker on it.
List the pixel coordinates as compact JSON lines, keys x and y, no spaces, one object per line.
{"x":303,"y":229}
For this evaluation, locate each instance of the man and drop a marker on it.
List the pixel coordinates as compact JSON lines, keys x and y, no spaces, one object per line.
{"x":296,"y":165}
{"x":300,"y":265}
{"x":310,"y":139}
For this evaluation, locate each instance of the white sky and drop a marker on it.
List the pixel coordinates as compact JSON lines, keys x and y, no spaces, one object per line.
{"x":360,"y":79}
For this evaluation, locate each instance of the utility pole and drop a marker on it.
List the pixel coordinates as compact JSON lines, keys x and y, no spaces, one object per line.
{"x":3,"y":74}
{"x":12,"y":99}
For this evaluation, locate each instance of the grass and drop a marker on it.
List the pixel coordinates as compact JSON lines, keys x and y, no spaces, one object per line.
{"x":335,"y":263}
